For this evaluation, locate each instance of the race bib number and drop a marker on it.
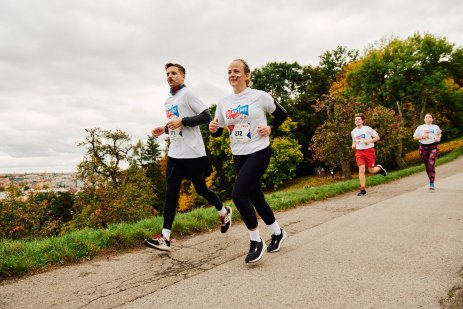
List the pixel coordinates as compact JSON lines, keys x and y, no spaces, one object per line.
{"x":241,"y":133}
{"x":175,"y":134}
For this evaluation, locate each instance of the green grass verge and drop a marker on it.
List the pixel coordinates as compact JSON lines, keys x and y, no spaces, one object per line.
{"x":19,"y":257}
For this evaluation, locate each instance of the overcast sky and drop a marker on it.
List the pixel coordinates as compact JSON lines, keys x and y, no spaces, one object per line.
{"x":70,"y":65}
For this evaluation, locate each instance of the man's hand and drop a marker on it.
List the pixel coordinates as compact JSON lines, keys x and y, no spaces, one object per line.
{"x":158,"y":131}
{"x":174,"y":124}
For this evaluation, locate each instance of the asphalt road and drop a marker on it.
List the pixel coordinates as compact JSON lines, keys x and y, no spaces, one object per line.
{"x":400,"y":246}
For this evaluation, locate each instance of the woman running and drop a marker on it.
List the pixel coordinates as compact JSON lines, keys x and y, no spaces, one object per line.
{"x":244,"y":115}
{"x":429,"y":135}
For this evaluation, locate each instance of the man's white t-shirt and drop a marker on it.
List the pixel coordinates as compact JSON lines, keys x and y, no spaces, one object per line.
{"x":242,"y":113}
{"x":431,"y":130}
{"x":362,"y":135}
{"x":185,"y":142}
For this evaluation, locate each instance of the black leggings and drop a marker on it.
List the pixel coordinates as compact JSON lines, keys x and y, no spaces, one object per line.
{"x":176,"y":171}
{"x":247,"y":190}
{"x":429,"y":154}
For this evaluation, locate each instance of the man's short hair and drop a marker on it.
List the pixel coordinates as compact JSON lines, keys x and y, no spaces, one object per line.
{"x":181,"y":68}
{"x":361,"y":115}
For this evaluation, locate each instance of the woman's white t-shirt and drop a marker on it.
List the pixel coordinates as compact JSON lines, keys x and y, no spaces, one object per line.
{"x":242,"y":113}
{"x":185,"y":142}
{"x":431,"y":130}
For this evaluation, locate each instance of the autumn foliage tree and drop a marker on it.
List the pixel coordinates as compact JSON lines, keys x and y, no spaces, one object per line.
{"x":110,"y":194}
{"x":411,"y":77}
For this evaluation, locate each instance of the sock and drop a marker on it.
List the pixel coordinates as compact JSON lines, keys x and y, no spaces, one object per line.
{"x":255,"y":235}
{"x":166,"y":233}
{"x":223,"y":212}
{"x":363,"y":188}
{"x":275,"y":228}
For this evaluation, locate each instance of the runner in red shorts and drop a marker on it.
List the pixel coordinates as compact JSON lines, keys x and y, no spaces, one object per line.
{"x":363,"y":142}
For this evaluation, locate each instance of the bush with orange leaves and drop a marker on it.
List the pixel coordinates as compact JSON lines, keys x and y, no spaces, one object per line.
{"x":189,"y":199}
{"x":413,"y":157}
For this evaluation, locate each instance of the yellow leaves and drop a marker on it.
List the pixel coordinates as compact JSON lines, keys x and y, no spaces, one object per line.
{"x":450,"y":82}
{"x":413,"y":157}
{"x":186,"y":202}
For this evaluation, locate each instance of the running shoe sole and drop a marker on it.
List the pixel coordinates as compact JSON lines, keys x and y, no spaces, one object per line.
{"x":264,"y":248}
{"x":281,"y":241}
{"x":158,"y":247}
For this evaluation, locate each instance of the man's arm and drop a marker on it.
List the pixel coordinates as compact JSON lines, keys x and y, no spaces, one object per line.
{"x":202,"y":118}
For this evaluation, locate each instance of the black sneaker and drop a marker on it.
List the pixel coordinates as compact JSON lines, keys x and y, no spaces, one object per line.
{"x":226,"y":220}
{"x":382,"y":170}
{"x":158,"y":242}
{"x":275,"y":243}
{"x":362,"y":192}
{"x":256,"y":250}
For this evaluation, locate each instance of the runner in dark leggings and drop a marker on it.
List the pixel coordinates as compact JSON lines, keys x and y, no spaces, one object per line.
{"x":195,"y":170}
{"x":244,"y":115}
{"x":247,"y":189}
{"x":187,"y":155}
{"x":429,"y":135}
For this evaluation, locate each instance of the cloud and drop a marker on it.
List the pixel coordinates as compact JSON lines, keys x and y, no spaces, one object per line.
{"x":71,"y":65}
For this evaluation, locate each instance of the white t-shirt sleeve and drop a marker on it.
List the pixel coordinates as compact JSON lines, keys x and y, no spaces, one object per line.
{"x":372,"y":132}
{"x":268,"y":102}
{"x":195,"y":103}
{"x":438,"y":130}
{"x":417,"y":132}
{"x":219,"y":116}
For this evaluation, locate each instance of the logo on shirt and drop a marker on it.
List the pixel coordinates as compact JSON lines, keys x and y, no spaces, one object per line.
{"x":361,"y":136}
{"x":429,"y":131}
{"x":172,"y":112}
{"x":236,"y":112}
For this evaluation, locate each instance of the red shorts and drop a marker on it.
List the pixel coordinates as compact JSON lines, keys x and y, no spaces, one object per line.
{"x":365,"y":157}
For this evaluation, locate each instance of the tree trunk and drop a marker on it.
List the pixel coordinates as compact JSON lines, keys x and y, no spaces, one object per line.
{"x":398,"y":155}
{"x":345,"y":163}
{"x":399,"y":147}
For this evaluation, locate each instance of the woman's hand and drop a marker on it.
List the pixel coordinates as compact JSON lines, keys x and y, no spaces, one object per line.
{"x":264,"y":130}
{"x":214,"y":125}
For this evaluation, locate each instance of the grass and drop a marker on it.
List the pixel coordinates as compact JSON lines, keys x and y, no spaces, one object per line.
{"x":19,"y":257}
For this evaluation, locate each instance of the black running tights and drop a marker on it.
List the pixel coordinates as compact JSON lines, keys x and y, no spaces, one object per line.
{"x":173,"y":182}
{"x":247,"y":190}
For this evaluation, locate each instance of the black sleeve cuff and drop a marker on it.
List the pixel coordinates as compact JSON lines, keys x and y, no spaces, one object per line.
{"x":218,"y":133}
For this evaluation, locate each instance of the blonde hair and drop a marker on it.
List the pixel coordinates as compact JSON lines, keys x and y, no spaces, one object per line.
{"x":247,"y":70}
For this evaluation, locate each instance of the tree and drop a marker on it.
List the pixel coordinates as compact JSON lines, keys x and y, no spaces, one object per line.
{"x":149,"y":161}
{"x":286,"y":156}
{"x":296,"y":88}
{"x":332,"y":141}
{"x":409,"y":76}
{"x":111,"y":194}
{"x":332,"y":62}
{"x":105,"y":150}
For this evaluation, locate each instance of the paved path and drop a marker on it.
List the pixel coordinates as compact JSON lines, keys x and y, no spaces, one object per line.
{"x":398,"y":247}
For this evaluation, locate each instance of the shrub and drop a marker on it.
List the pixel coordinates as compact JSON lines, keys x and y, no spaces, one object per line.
{"x":414,"y":157}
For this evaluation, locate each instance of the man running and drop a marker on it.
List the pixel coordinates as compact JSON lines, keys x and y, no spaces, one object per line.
{"x":363,"y":142}
{"x":187,"y":155}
